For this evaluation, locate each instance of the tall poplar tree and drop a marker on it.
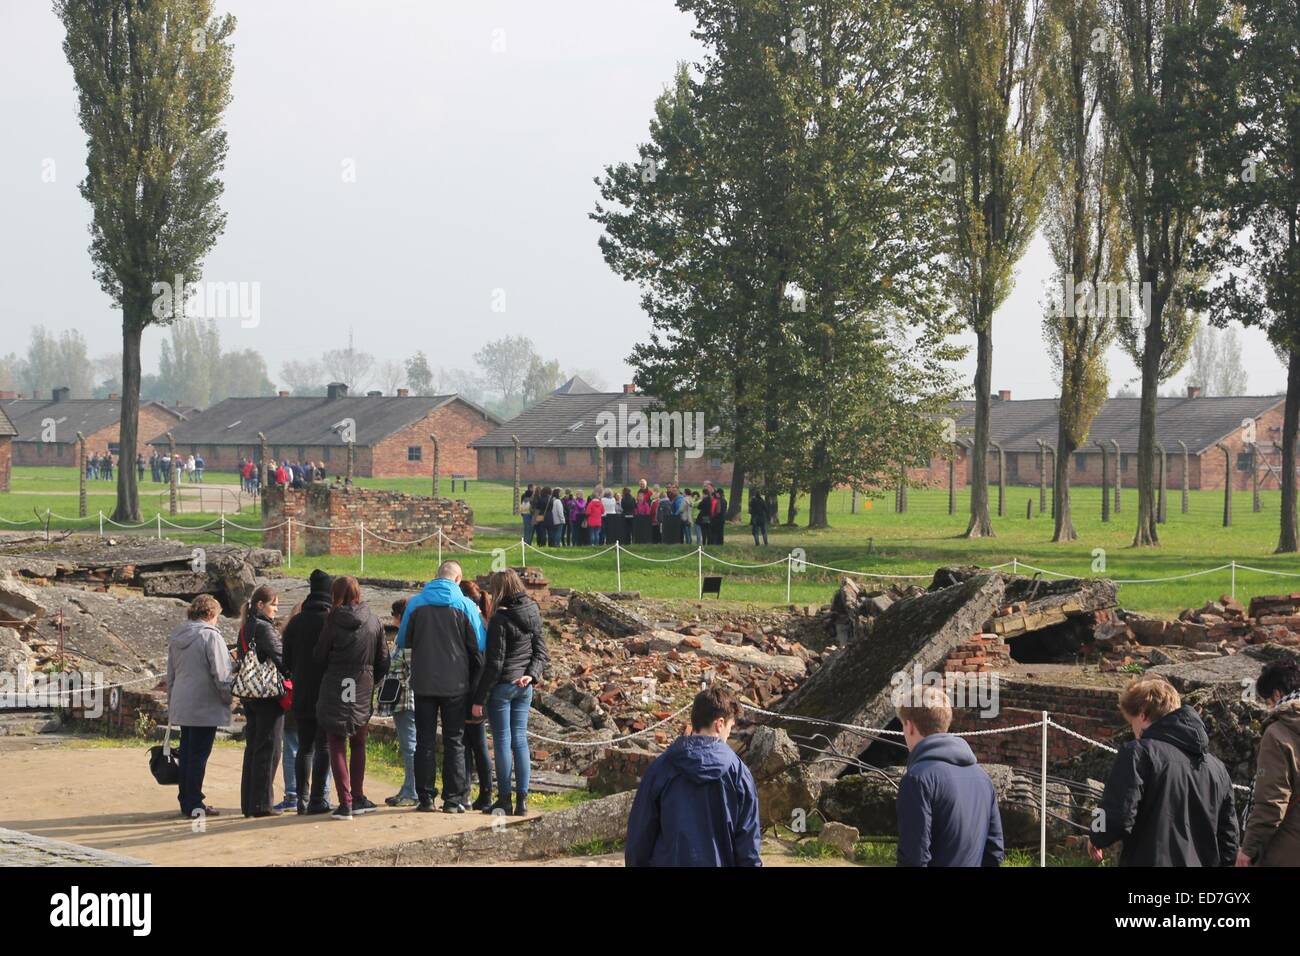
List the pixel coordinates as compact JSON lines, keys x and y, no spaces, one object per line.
{"x":153,"y":80}
{"x":995,"y":165}
{"x":1083,"y":230}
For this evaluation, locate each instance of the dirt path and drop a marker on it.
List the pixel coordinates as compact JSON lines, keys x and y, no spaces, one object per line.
{"x":104,"y":798}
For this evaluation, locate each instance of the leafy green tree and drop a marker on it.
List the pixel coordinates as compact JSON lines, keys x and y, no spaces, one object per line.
{"x":52,"y":362}
{"x":870,"y":360}
{"x":1259,"y":161}
{"x":542,"y":379}
{"x":1162,"y":87}
{"x":419,"y":377}
{"x":996,"y":166}
{"x":1084,"y":232}
{"x":153,"y":80}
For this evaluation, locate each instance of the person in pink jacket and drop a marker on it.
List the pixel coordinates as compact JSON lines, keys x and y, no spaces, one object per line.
{"x":595,"y":515}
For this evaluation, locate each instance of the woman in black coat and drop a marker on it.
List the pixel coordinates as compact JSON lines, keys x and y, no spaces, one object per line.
{"x":264,"y":719}
{"x":513,"y":664}
{"x":311,"y":767}
{"x":353,"y":654}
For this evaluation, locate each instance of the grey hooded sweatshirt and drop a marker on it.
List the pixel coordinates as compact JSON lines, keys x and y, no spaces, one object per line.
{"x":198,"y":676}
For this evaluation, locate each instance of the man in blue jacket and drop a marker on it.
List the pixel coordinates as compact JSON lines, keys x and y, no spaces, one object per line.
{"x":445,"y":632}
{"x":697,"y":804}
{"x":947,"y":807}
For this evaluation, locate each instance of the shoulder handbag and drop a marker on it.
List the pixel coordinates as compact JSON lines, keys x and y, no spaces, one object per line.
{"x":164,"y":762}
{"x":257,"y":679}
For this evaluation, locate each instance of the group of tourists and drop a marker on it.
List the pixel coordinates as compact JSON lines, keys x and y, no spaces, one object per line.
{"x":163,"y":466}
{"x":99,"y":467}
{"x":561,"y":517}
{"x":285,"y":474}
{"x":1168,"y":799}
{"x":463,"y":658}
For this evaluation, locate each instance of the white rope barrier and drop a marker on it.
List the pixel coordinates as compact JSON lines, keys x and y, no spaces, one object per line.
{"x":871,"y":574}
{"x":613,"y":740}
{"x":556,"y":557}
{"x":768,"y":564}
{"x":1281,"y":574}
{"x":641,"y":557}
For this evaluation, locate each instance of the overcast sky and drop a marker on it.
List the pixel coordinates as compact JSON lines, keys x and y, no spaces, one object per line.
{"x":474,"y":130}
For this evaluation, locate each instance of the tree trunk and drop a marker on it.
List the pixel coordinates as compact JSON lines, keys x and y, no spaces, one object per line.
{"x":792,"y":508}
{"x":127,"y":509}
{"x":737,"y":490}
{"x":1147,"y":533}
{"x":980,"y":525}
{"x":1064,"y":526}
{"x":818,"y":495}
{"x":1287,"y":541}
{"x":820,"y":489}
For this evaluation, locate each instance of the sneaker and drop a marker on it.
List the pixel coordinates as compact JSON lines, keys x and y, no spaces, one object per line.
{"x":290,"y":802}
{"x":364,"y":805}
{"x":453,"y":808}
{"x":521,"y":805}
{"x":342,"y":812}
{"x":501,"y":806}
{"x":315,"y":808}
{"x":396,"y":801}
{"x":425,"y":806}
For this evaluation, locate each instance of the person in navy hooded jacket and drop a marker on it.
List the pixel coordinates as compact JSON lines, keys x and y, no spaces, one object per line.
{"x":947,"y":807}
{"x":697,"y":804}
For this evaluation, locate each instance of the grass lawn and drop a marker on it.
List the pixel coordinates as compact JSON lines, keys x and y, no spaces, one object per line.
{"x":875,"y":539}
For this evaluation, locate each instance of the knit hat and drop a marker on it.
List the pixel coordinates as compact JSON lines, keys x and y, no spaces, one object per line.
{"x":320,"y":582}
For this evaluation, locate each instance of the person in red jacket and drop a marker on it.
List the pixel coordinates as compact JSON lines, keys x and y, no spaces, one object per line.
{"x":595,"y":515}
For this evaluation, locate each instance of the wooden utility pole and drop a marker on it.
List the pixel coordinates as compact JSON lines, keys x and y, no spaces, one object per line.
{"x":1105,"y":483}
{"x":437,"y":489}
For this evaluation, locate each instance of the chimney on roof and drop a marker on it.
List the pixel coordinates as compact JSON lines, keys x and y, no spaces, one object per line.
{"x":1004,"y":395}
{"x":335,"y":390}
{"x":1193,"y":391}
{"x":61,"y":393}
{"x":629,"y":389}
{"x":113,"y":396}
{"x":374,"y":394}
{"x":283,"y":394}
{"x":403,"y":393}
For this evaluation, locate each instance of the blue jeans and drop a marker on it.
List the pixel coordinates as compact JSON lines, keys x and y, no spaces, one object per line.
{"x":507,"y":711}
{"x":528,"y":528}
{"x":595,"y":536}
{"x":686,"y":532}
{"x":289,"y":762}
{"x":556,"y":531}
{"x":404,"y":723}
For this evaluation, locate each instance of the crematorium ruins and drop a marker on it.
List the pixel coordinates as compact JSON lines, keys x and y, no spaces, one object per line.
{"x":621,"y":664}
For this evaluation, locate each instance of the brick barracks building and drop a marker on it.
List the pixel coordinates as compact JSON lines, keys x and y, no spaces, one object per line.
{"x":557,"y":444}
{"x":7,"y":433}
{"x":46,"y":430}
{"x":1202,"y":423}
{"x":391,"y":433}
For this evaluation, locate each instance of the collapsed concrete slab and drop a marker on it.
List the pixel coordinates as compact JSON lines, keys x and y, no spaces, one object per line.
{"x":869,"y":802}
{"x":144,"y":566}
{"x":855,"y":686}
